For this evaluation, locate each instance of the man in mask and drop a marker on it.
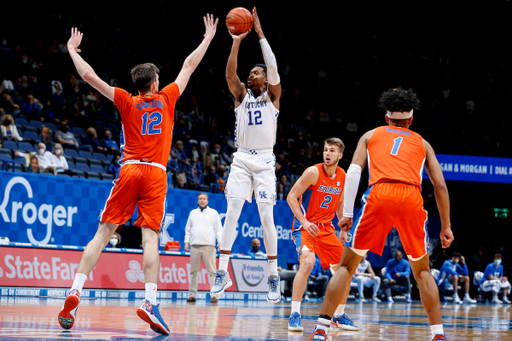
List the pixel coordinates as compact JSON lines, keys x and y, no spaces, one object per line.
{"x":46,"y":161}
{"x":398,"y":272}
{"x":255,"y":248}
{"x":65,"y":137}
{"x":202,"y":229}
{"x":493,"y":280}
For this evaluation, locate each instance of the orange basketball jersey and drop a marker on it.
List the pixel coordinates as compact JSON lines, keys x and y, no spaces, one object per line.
{"x":320,"y":201}
{"x":147,"y":124}
{"x":396,"y":155}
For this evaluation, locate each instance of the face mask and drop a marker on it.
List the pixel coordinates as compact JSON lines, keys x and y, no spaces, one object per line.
{"x":217,"y":151}
{"x":40,"y":151}
{"x":58,"y":151}
{"x":116,"y":162}
{"x":24,"y":61}
{"x":34,"y":66}
{"x":76,"y":91}
{"x":109,"y":137}
{"x":255,"y":248}
{"x":64,"y":129}
{"x":497,"y":262}
{"x":113,"y":241}
{"x":8,"y":122}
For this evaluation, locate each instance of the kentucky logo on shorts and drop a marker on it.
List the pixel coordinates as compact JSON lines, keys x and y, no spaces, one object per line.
{"x":263,"y":195}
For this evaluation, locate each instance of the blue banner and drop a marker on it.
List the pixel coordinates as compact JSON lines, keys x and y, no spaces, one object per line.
{"x":475,"y":168}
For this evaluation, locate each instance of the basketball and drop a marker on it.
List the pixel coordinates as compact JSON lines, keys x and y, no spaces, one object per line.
{"x":239,"y":20}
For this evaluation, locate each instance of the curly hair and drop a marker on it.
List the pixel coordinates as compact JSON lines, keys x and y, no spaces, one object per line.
{"x":399,"y":100}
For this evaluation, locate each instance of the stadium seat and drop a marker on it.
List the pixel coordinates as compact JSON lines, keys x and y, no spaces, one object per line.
{"x":83,"y":167}
{"x":52,"y":126}
{"x":19,"y":168}
{"x":29,"y":135}
{"x":85,"y":148}
{"x":107,"y":177}
{"x":97,"y":169}
{"x":78,"y":131}
{"x":20,"y":160}
{"x":84,"y":153}
{"x":24,"y":146}
{"x":22,"y":121}
{"x":71,"y":165}
{"x":99,"y":156}
{"x":37,"y":124}
{"x":6,"y":152}
{"x":70,"y":152}
{"x":10,"y":144}
{"x":93,"y":175}
{"x":30,"y":128}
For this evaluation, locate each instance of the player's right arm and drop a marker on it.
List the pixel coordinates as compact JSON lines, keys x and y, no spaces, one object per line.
{"x":433,"y":169}
{"x":308,"y":178}
{"x":85,"y":70}
{"x":236,"y":87}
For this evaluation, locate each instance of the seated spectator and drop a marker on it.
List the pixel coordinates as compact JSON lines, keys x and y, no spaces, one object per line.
{"x":221,"y":157}
{"x":318,"y":278}
{"x":455,"y":271}
{"x":283,"y":166}
{"x":34,"y":165}
{"x":365,"y":277}
{"x":65,"y":137}
{"x":91,"y":138}
{"x":46,"y":136}
{"x":255,"y":249}
{"x":46,"y":159}
{"x":172,"y":164}
{"x":9,"y":105}
{"x":61,"y":164}
{"x":181,"y":181}
{"x":115,"y":240}
{"x":281,"y":195}
{"x":210,"y":177}
{"x":181,"y":156}
{"x":493,"y":280}
{"x":222,"y":178}
{"x":9,"y":128}
{"x":33,"y":108}
{"x":194,"y":152}
{"x":398,"y":272}
{"x":197,"y":177}
{"x":286,"y":277}
{"x":115,"y":165}
{"x":112,"y":145}
{"x":287,"y":186}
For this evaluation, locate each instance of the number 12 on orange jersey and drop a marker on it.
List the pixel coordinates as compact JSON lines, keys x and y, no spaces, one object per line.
{"x":149,"y":121}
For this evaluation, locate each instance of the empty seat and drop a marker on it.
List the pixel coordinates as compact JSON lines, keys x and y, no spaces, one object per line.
{"x":10,"y":144}
{"x":29,"y":135}
{"x":22,"y":121}
{"x":83,"y":167}
{"x":78,"y":131}
{"x":107,"y":177}
{"x":35,"y":123}
{"x":92,"y":175}
{"x":52,"y":126}
{"x":23,"y":146}
{"x":85,"y":154}
{"x":97,"y":169}
{"x":71,"y":152}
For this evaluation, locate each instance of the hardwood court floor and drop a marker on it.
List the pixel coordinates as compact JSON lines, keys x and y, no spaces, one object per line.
{"x":112,"y":319}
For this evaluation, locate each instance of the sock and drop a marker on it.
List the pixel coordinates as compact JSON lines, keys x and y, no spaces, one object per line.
{"x":272,"y":267}
{"x":436,"y":330}
{"x":151,"y":292}
{"x":78,"y":282}
{"x":340,"y":310}
{"x":223,"y":262}
{"x":466,"y":295}
{"x":295,"y":307}
{"x":324,"y":322}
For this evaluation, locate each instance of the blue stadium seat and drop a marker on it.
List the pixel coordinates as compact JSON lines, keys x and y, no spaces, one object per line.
{"x":52,"y":126}
{"x":5,"y":157}
{"x":82,"y":167}
{"x":19,"y":168}
{"x":20,"y":160}
{"x":6,"y":152}
{"x":97,"y":169}
{"x":70,"y":152}
{"x":71,"y":166}
{"x":70,"y":159}
{"x":78,"y":131}
{"x":30,"y":128}
{"x":99,"y":156}
{"x":22,"y":121}
{"x":32,"y":135}
{"x":20,"y":128}
{"x":10,"y":144}
{"x":92,"y":175}
{"x":79,"y":174}
{"x":107,"y":177}
{"x":85,"y":154}
{"x":37,"y":124}
{"x":23,"y":146}
{"x":86,"y":148}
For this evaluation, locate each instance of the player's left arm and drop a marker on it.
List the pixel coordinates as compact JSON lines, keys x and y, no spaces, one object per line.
{"x":433,"y":169}
{"x":193,"y":60}
{"x":339,"y":214}
{"x":84,"y":69}
{"x":274,"y":81}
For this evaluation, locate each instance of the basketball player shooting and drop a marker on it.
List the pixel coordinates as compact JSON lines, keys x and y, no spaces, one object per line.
{"x":253,"y":167}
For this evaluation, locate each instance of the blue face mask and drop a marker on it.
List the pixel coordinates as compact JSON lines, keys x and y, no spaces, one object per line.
{"x":497,"y":262}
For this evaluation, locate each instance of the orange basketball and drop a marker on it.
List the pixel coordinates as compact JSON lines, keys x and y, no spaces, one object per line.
{"x":239,"y":20}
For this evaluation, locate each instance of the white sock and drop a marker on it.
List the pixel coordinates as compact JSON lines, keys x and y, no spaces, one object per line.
{"x":437,"y":330}
{"x":78,"y":282}
{"x":151,"y":292}
{"x":466,"y":295}
{"x":340,"y":310}
{"x":223,"y":262}
{"x":295,"y":307}
{"x":272,"y":267}
{"x":323,"y":324}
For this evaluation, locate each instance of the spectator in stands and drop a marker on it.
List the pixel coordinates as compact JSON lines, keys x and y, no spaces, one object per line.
{"x":112,"y":145}
{"x":8,"y":104}
{"x":46,"y":137}
{"x":91,"y":138}
{"x":34,"y":165}
{"x":115,"y":165}
{"x":222,"y":157}
{"x":115,"y":240}
{"x":255,"y":249}
{"x":33,"y":108}
{"x":202,"y":236}
{"x":365,"y":277}
{"x":181,"y":156}
{"x":318,"y":278}
{"x":398,"y":272}
{"x":222,"y":178}
{"x":456,"y":271}
{"x":182,"y":181}
{"x":286,"y":184}
{"x":493,"y":280}
{"x":46,"y":159}
{"x":282,"y":166}
{"x":9,"y":128}
{"x":211,"y":176}
{"x":65,"y":137}
{"x":61,"y":164}
{"x":281,"y":195}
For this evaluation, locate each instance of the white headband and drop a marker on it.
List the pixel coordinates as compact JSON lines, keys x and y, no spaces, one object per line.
{"x":396,"y":115}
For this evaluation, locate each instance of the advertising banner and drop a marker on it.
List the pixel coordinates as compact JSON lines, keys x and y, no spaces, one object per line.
{"x":250,"y":274}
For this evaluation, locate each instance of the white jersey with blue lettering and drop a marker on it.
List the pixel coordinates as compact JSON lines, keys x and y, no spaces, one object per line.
{"x":256,"y":122}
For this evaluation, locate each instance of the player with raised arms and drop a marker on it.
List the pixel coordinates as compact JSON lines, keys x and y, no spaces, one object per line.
{"x":314,"y":200}
{"x":396,"y":157}
{"x":147,"y":124}
{"x":253,"y":167}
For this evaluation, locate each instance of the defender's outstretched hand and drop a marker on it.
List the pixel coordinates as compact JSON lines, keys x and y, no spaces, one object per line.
{"x":75,"y":40}
{"x":211,"y":26}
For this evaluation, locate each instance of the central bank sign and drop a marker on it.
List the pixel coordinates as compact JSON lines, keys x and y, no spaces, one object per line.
{"x":31,"y":212}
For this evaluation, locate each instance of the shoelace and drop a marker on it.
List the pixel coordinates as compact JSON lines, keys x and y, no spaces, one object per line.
{"x":295,"y":319}
{"x":218,"y":279}
{"x":273,"y":284}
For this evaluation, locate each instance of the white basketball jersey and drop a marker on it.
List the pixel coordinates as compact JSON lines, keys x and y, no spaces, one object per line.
{"x":256,"y":122}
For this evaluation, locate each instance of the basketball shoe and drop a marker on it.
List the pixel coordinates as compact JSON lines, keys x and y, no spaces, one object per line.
{"x":318,"y":335}
{"x":67,"y":315}
{"x":222,"y":282}
{"x":439,"y":337}
{"x":294,"y":324}
{"x":151,"y":314}
{"x":343,"y":322}
{"x":274,"y":293}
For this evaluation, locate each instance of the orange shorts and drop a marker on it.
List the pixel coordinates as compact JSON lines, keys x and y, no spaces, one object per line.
{"x":387,"y":205}
{"x":138,"y":185}
{"x":326,"y":245}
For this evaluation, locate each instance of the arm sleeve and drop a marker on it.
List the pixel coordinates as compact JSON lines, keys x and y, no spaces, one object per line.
{"x":350,"y":191}
{"x":270,"y":62}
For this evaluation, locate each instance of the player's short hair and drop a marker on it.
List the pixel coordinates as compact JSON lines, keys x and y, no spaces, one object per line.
{"x":399,"y":100}
{"x":263,"y":66}
{"x":456,"y":254}
{"x":143,"y":75}
{"x":335,"y":141}
{"x":497,"y":256}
